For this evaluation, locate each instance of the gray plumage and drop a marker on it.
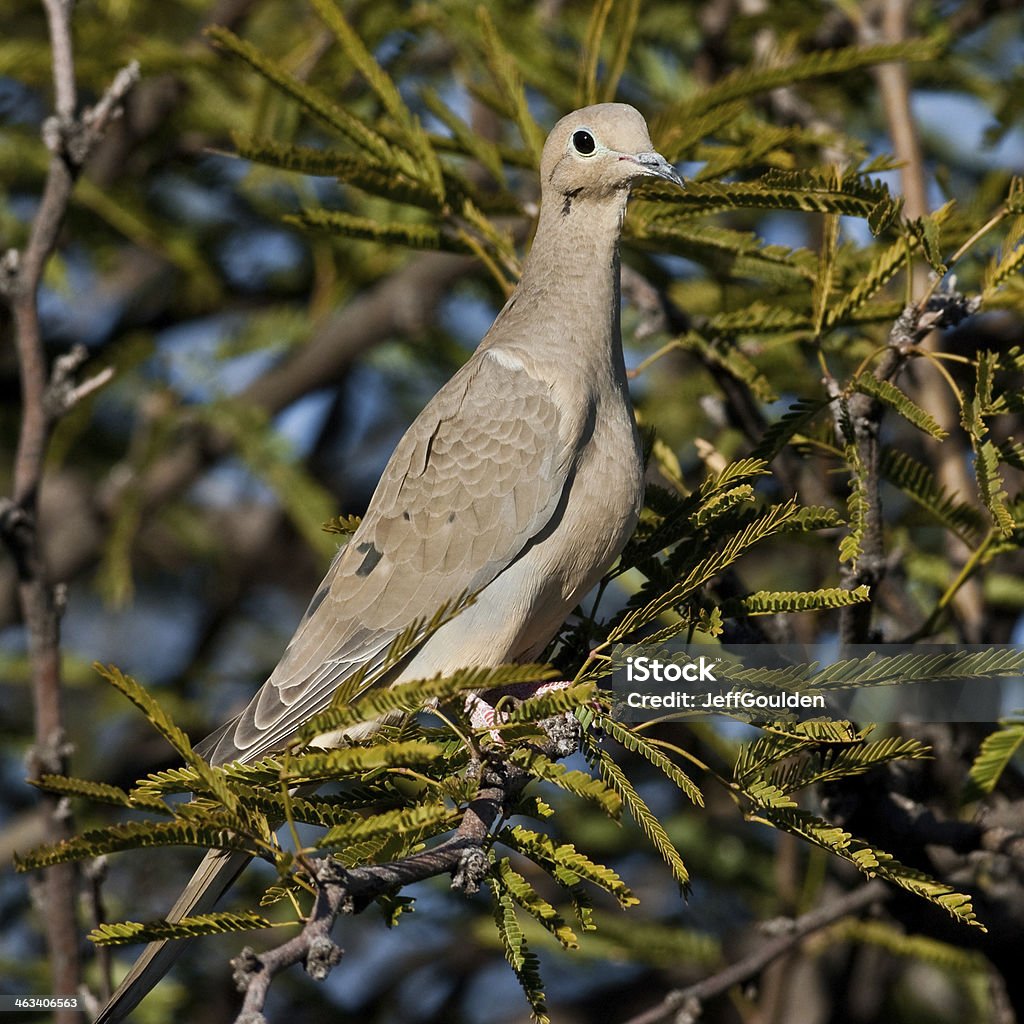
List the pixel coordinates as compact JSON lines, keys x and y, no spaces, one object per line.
{"x":521,"y":480}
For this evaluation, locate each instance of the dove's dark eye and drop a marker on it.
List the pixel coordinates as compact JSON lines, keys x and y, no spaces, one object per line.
{"x":583,"y":142}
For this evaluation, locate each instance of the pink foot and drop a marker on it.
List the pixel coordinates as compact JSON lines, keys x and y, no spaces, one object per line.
{"x":482,"y":714}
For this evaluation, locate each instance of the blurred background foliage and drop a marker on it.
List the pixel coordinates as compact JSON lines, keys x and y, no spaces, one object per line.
{"x":274,"y":333}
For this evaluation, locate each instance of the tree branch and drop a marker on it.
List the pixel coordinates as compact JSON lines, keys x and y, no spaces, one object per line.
{"x":684,"y":1005}
{"x":343,"y":890}
{"x":45,"y":397}
{"x":910,"y":329}
{"x":950,"y":457}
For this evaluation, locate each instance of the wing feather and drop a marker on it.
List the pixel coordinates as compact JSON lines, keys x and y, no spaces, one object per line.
{"x":478,"y":475}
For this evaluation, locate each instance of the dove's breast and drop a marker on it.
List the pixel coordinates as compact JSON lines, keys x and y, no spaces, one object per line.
{"x":515,"y":616}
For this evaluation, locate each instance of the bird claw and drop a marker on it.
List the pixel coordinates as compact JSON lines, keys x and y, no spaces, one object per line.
{"x":483,"y":714}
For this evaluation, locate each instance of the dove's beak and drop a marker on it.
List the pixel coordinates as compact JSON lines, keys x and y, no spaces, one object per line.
{"x":657,"y":166}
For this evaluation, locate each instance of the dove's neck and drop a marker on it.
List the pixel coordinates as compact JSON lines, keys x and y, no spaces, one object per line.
{"x":570,"y":281}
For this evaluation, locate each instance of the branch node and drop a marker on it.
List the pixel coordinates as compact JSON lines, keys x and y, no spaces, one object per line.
{"x":60,"y":599}
{"x":14,"y":520}
{"x":96,"y":869}
{"x":245,"y":967}
{"x":48,"y":757}
{"x":330,"y":871}
{"x":564,"y":733}
{"x":95,"y":119}
{"x":470,"y":871}
{"x":777,"y":926}
{"x":690,"y":1012}
{"x":10,"y":264}
{"x":54,"y":132}
{"x":63,"y":812}
{"x":62,"y":393}
{"x":324,"y":954}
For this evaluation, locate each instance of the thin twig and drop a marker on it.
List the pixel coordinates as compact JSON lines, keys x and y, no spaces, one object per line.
{"x":45,"y":397}
{"x":684,"y":1005}
{"x":950,"y":457}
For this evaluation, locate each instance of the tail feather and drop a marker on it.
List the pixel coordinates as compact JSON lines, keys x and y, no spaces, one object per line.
{"x":217,"y":871}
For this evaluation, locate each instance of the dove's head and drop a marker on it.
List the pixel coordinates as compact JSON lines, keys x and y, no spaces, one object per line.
{"x":598,"y":151}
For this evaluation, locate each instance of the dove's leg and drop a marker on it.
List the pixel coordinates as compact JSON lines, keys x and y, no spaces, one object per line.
{"x":482,"y":714}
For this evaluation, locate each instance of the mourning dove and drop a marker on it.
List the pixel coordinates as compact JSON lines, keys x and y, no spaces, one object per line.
{"x":521,"y":481}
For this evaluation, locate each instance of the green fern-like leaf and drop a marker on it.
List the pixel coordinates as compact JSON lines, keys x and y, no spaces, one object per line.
{"x":150,"y":708}
{"x":520,"y":957}
{"x":857,"y":508}
{"x":505,"y":73}
{"x":99,"y":792}
{"x":990,"y":486}
{"x":762,"y":527}
{"x":312,"y":100}
{"x":308,"y":767}
{"x":414,"y":138}
{"x":751,"y":81}
{"x":534,"y":904}
{"x":729,"y":357}
{"x":887,"y":392}
{"x":882,"y":269}
{"x":554,"y":702}
{"x":1011,"y":452}
{"x":586,"y":87}
{"x":918,"y":482}
{"x":870,"y":860}
{"x":358,"y":760}
{"x":809,"y":197}
{"x":472,"y":143}
{"x":360,"y":171}
{"x":759,"y":318}
{"x":565,"y":863}
{"x":576,"y":782}
{"x":638,"y":744}
{"x":832,"y":764}
{"x":998,"y":749}
{"x":795,"y":419}
{"x":1009,"y":262}
{"x":722,"y":503}
{"x":344,"y":525}
{"x":415,"y":236}
{"x":875,"y":670}
{"x":739,"y":251}
{"x":812,"y":517}
{"x":645,"y":818}
{"x":774,"y":602}
{"x":424,"y":818}
{"x":892,"y":940}
{"x":754,"y":759}
{"x":413,"y":695}
{"x":220,"y":923}
{"x":133,"y":836}
{"x":212,"y":779}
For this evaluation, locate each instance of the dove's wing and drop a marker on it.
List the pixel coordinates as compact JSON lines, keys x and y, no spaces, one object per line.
{"x":477,"y":476}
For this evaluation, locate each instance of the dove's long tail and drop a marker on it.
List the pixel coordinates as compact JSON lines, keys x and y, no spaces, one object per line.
{"x":217,"y":871}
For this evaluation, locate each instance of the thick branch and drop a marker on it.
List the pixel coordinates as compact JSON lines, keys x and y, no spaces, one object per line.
{"x":349,"y":890}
